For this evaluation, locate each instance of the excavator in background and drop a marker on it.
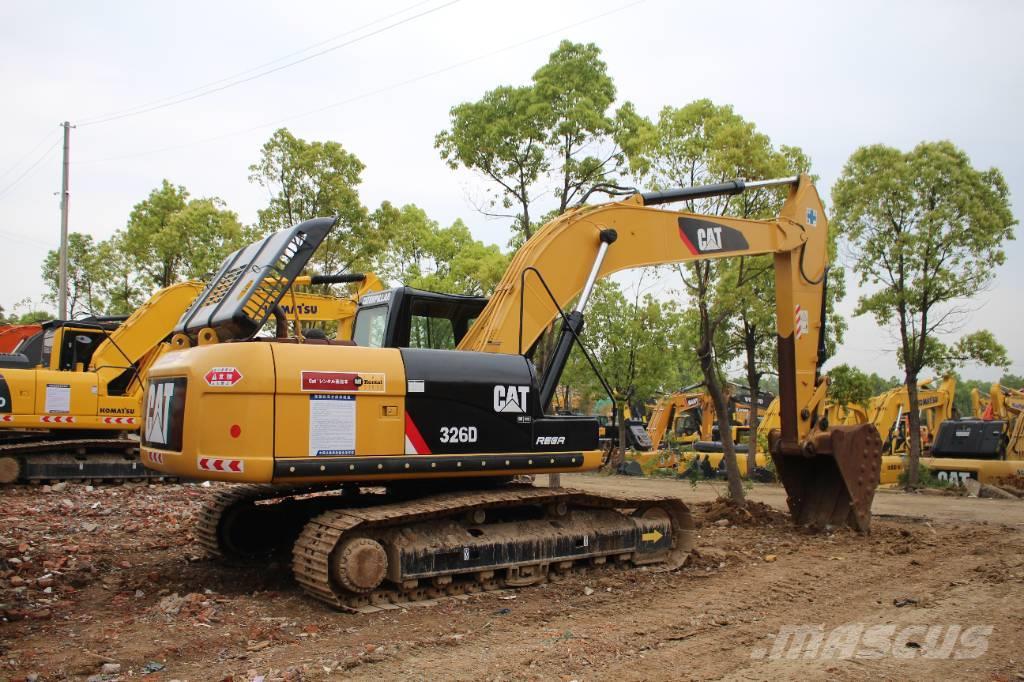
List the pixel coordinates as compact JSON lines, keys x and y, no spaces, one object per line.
{"x":686,"y":421}
{"x":391,"y":462}
{"x":888,"y":412}
{"x":12,"y":335}
{"x":988,"y":447}
{"x":69,"y":398}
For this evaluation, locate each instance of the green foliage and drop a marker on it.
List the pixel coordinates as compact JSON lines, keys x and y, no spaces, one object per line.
{"x":424,"y":255}
{"x":84,"y":276}
{"x":316,"y":179}
{"x":849,"y":385}
{"x":926,"y":230}
{"x":502,"y":137}
{"x":926,"y":478}
{"x":169,"y":237}
{"x":1012,"y":381}
{"x":629,"y":340}
{"x":24,"y":312}
{"x":556,"y":137}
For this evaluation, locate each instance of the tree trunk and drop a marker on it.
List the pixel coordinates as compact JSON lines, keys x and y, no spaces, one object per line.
{"x":732,"y":468}
{"x":753,"y":422}
{"x":754,"y":386}
{"x":914,"y":435}
{"x":623,"y":440}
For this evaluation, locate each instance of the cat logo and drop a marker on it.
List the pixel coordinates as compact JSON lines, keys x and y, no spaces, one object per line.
{"x":158,"y":412}
{"x":709,"y":239}
{"x":164,"y":413}
{"x":510,"y":398}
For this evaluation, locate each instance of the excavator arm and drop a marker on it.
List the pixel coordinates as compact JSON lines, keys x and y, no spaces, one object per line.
{"x":562,"y":262}
{"x":568,"y":255}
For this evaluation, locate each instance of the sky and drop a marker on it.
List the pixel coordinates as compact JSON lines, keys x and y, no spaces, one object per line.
{"x":827,"y":76}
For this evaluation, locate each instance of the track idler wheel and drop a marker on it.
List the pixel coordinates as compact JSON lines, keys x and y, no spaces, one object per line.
{"x":831,"y":480}
{"x":10,"y":469}
{"x":359,"y":565}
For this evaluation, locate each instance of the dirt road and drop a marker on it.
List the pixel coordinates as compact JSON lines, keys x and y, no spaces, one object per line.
{"x":134,"y":593}
{"x":930,"y":505}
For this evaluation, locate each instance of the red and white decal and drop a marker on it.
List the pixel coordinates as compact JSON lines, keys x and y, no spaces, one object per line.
{"x":57,"y":419}
{"x":7,"y":418}
{"x":234,"y":466}
{"x":155,"y":457}
{"x":223,"y":376}
{"x":801,"y":322}
{"x":414,"y":443}
{"x":343,"y":382}
{"x":119,"y":420}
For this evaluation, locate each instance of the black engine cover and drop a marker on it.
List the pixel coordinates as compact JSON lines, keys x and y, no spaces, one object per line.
{"x":468,"y":402}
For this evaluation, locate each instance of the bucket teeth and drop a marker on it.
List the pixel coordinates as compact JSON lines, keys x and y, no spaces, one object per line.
{"x":833,"y":483}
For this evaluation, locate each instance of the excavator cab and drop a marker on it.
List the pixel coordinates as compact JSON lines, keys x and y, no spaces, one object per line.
{"x":405,"y":317}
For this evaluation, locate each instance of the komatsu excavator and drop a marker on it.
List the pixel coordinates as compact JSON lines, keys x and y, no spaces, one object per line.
{"x":71,"y":393}
{"x":412,"y":449}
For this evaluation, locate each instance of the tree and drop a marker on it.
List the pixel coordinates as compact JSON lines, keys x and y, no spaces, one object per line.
{"x":422,"y":254}
{"x":926,"y":230}
{"x":556,"y":137}
{"x":629,"y":341}
{"x":120,"y":285}
{"x":170,"y":237}
{"x":84,"y":276}
{"x":850,"y":386}
{"x":502,"y":137}
{"x":703,"y":143}
{"x":316,"y":179}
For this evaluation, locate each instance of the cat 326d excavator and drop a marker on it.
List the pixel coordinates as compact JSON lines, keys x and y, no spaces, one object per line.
{"x":413,"y":450}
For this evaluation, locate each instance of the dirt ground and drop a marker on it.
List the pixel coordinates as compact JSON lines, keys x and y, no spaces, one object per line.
{"x":109,"y":576}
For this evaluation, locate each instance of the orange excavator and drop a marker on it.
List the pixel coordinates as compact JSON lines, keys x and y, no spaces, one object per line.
{"x":11,"y":335}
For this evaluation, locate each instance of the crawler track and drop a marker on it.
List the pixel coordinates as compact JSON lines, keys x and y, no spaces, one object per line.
{"x":441,"y":544}
{"x":25,"y":458}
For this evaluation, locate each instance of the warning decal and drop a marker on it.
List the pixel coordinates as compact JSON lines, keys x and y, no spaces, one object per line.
{"x":343,"y":382}
{"x":58,"y":398}
{"x":332,"y":425}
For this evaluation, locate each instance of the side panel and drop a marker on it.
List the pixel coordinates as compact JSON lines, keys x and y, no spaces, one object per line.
{"x":226,"y":430}
{"x":65,"y":393}
{"x":338,"y":400}
{"x":463,"y":402}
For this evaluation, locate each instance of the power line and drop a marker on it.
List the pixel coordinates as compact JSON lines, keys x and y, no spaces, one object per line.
{"x":27,"y":240}
{"x":371,"y":93}
{"x":267,"y":72}
{"x":29,"y":169}
{"x":130,"y":110}
{"x":29,"y":153}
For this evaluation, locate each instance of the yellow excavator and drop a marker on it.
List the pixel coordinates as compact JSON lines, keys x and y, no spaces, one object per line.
{"x":687,"y":419}
{"x":412,"y":433}
{"x":888,"y":412}
{"x":75,"y":389}
{"x":988,"y":447}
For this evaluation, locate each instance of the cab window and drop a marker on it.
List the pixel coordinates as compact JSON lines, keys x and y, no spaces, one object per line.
{"x":370,"y":326}
{"x":431,"y":332}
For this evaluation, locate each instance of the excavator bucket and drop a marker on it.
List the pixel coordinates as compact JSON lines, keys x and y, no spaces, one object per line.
{"x":832,"y":481}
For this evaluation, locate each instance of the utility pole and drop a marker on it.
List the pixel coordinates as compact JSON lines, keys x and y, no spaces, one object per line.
{"x":62,"y":281}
